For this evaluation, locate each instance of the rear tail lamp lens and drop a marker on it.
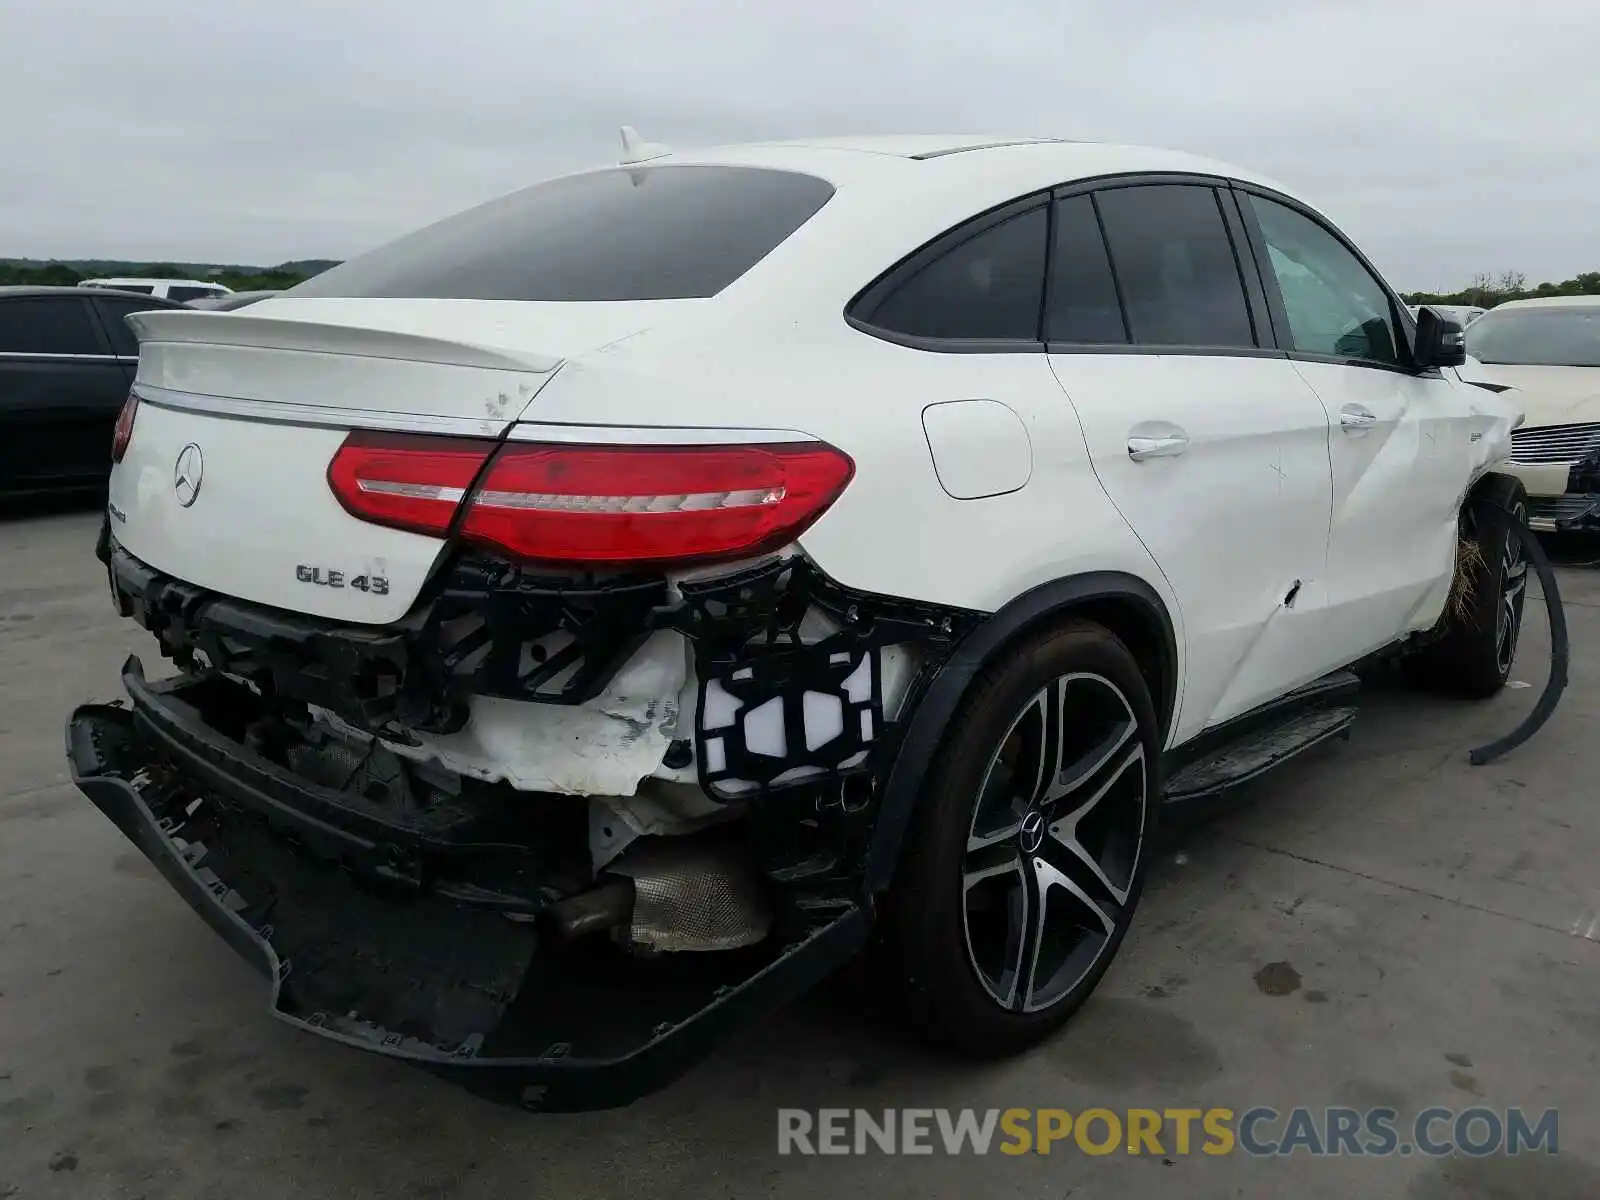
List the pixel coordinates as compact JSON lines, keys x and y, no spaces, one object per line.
{"x":601,"y":505}
{"x":406,"y":482}
{"x":630,"y":504}
{"x":122,"y":432}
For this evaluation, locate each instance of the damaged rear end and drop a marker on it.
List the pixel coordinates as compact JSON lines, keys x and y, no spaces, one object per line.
{"x":538,"y":758}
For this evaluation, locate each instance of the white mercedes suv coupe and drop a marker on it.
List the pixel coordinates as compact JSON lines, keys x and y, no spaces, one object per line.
{"x":599,"y":615}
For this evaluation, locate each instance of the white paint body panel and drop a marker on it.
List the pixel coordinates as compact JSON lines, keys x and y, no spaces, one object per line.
{"x":1234,"y":520}
{"x":980,"y":448}
{"x":264,"y":507}
{"x":1221,"y":533}
{"x":1397,"y":489}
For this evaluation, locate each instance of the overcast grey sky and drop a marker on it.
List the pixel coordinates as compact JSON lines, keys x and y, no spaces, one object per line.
{"x":1447,"y":138}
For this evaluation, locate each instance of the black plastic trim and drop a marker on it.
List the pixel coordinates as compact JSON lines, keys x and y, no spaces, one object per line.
{"x":1244,"y":253}
{"x":555,"y":1081}
{"x":1170,"y":351}
{"x":1319,"y":693}
{"x":944,"y":692}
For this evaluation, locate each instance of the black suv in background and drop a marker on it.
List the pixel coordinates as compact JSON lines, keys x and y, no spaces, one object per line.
{"x":67,"y":359}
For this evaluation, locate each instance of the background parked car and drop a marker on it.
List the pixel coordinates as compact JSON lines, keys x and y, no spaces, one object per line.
{"x":233,"y":300}
{"x":181,"y":290}
{"x":1549,"y":350}
{"x":67,"y":359}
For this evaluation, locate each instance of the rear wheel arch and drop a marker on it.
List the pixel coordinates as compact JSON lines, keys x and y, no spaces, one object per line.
{"x":1124,"y":604}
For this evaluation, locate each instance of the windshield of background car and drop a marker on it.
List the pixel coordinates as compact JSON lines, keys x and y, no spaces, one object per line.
{"x":1553,"y":337}
{"x":646,"y":233}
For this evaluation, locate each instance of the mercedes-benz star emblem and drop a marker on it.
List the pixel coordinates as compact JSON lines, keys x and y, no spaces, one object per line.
{"x":188,"y":474}
{"x":1032,"y":831}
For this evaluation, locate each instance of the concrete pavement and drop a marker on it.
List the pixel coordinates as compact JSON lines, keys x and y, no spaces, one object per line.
{"x":1377,"y":924}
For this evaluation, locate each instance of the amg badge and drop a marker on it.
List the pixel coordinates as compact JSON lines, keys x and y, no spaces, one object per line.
{"x":328,"y":577}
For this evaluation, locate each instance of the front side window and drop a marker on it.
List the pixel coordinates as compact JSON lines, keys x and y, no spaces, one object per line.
{"x":47,"y":325}
{"x":1175,"y":263}
{"x":641,"y":233}
{"x":1544,"y":337}
{"x":1334,"y":304}
{"x":988,"y":287}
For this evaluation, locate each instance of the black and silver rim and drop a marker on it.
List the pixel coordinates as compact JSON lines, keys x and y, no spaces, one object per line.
{"x":1054,"y":844}
{"x":1513,"y":590}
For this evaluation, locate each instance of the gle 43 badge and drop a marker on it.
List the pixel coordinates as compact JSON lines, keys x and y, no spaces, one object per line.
{"x":328,"y":577}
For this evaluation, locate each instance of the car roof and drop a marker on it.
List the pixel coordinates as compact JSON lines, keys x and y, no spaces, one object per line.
{"x":899,"y":159}
{"x":13,"y":291}
{"x":910,"y":145}
{"x":1589,"y":301}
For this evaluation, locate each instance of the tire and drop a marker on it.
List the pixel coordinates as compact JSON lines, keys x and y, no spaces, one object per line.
{"x":1473,"y":656}
{"x":982,"y":975}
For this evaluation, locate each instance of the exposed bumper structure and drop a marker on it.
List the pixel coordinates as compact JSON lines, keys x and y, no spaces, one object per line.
{"x":359,"y":953}
{"x":405,"y":908}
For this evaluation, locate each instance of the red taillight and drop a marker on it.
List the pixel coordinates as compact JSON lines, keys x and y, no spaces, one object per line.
{"x":122,"y":432}
{"x":560,"y":503}
{"x":414,"y":483}
{"x":629,"y":504}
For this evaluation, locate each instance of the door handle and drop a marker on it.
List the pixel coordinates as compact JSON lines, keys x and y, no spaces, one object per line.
{"x":1141,"y":448}
{"x":1353,"y":418}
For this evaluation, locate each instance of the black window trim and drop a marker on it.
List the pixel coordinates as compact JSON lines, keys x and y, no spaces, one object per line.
{"x":869,"y":297}
{"x":1255,"y":305}
{"x":1398,"y":313}
{"x":107,"y":352}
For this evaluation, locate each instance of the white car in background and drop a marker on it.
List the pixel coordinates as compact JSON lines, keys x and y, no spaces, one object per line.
{"x":1549,"y":351}
{"x":599,"y":615}
{"x":181,"y":290}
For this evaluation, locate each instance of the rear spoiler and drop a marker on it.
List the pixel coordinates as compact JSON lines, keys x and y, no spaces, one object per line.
{"x":317,"y":337}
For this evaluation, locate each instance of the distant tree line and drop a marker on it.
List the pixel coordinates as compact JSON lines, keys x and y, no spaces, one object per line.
{"x":240,"y":279}
{"x":1486,"y":290}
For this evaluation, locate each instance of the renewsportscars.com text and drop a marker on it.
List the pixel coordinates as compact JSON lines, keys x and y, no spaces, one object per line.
{"x":1259,"y":1131}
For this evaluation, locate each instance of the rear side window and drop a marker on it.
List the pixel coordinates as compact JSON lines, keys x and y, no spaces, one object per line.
{"x":646,"y":233}
{"x":1175,"y":262}
{"x":989,"y":286}
{"x":112,"y":312}
{"x":1083,"y":306}
{"x":47,"y":325}
{"x":184,"y":294}
{"x":144,"y":289}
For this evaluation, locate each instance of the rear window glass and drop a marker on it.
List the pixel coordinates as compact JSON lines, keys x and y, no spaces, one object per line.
{"x":650,"y":233}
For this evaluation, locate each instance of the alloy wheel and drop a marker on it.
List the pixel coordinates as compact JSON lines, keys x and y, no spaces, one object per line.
{"x":1513,"y":591}
{"x":1054,"y":843}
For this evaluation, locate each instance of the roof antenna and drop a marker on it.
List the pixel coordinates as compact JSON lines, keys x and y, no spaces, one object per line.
{"x":636,"y":150}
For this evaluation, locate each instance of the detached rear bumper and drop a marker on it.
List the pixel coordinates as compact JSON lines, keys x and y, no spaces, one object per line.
{"x":468,"y":993}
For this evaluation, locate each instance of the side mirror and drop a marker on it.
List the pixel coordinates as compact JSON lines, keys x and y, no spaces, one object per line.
{"x":1440,"y":341}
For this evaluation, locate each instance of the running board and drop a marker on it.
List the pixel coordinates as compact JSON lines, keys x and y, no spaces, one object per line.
{"x":1265,"y":740}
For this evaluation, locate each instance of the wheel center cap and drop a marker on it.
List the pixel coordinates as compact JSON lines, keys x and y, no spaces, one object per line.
{"x":1031,"y":832}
